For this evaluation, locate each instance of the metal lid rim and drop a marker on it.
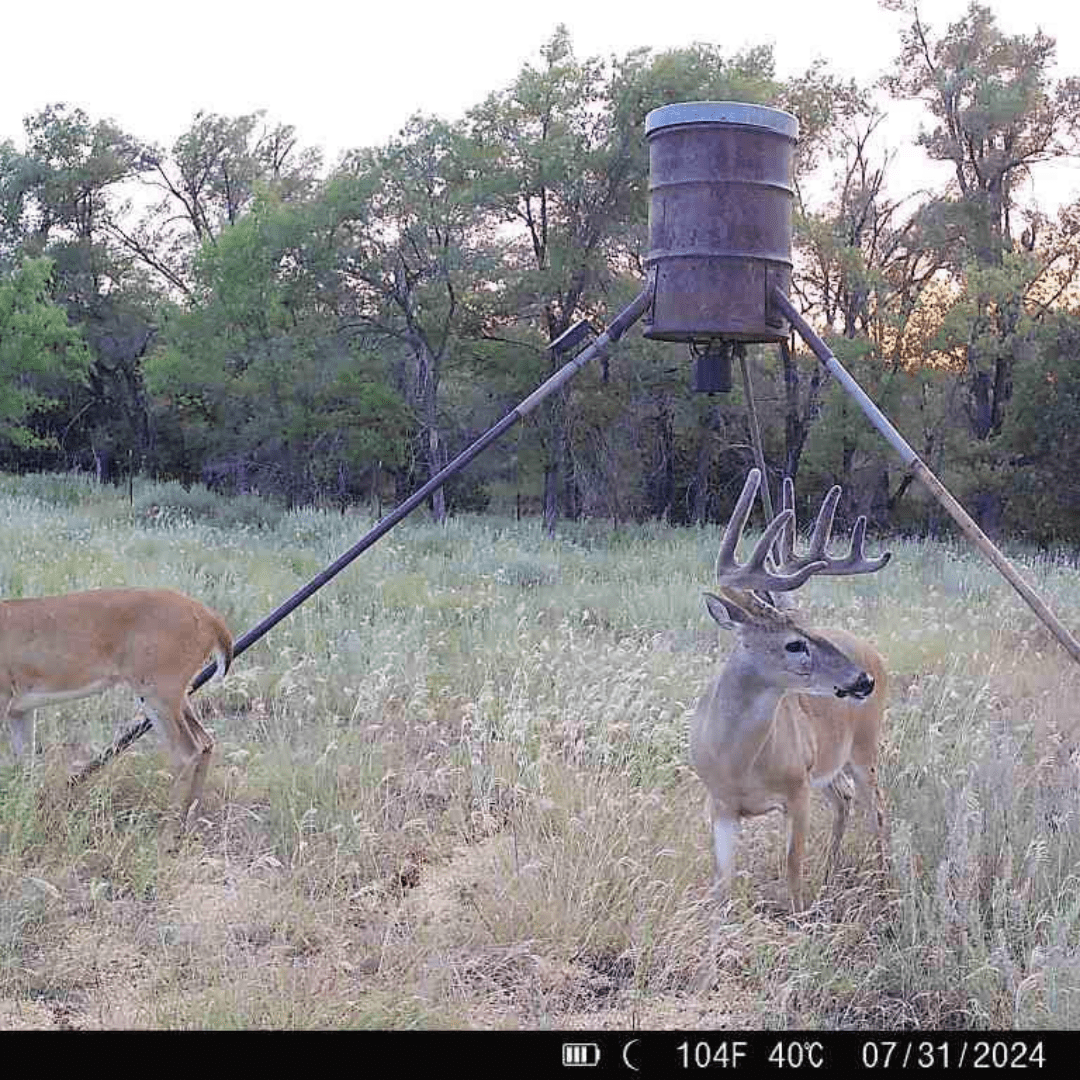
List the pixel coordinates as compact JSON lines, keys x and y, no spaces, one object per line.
{"x":722,"y":112}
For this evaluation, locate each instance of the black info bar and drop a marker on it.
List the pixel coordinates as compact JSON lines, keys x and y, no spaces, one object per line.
{"x":582,"y":1055}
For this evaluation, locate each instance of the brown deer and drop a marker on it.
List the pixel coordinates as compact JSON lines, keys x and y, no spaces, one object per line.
{"x":57,"y":648}
{"x":792,"y":708}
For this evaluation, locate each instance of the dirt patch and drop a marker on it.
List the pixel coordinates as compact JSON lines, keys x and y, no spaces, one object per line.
{"x":212,"y":914}
{"x":720,"y":1012}
{"x":443,"y":890}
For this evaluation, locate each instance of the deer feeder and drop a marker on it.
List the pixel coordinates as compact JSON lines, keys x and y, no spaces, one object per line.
{"x":720,"y":201}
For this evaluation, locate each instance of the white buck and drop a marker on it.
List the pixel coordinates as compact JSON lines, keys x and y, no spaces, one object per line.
{"x":792,"y":708}
{"x":57,"y":648}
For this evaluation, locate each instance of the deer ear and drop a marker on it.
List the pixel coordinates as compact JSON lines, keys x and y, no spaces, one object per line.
{"x":725,"y":612}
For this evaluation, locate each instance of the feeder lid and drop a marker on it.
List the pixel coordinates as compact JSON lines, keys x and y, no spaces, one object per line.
{"x":722,"y":112}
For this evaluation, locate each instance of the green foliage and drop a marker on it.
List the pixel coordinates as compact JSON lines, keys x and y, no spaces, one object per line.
{"x":39,"y":352}
{"x":998,"y":111}
{"x":69,"y":163}
{"x":222,"y":161}
{"x":565,"y":165}
{"x":996,"y":106}
{"x":1042,"y":437}
{"x":257,"y":378}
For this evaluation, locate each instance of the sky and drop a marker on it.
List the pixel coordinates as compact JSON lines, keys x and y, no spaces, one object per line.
{"x":348,"y":75}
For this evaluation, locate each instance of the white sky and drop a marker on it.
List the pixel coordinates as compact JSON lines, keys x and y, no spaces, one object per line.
{"x":350,"y":74}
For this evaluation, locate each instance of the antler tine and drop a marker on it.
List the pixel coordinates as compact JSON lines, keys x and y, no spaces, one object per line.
{"x":785,"y":542}
{"x":824,"y":523}
{"x":725,"y":557}
{"x":856,"y":560}
{"x":819,"y":539}
{"x":755,"y":574}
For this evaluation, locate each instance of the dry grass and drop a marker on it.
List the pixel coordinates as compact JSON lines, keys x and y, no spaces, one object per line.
{"x":452,"y":791}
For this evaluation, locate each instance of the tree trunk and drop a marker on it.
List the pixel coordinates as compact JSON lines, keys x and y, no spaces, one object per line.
{"x":556,"y":463}
{"x":797,"y":416}
{"x":658,"y":462}
{"x":551,"y":496}
{"x":436,"y":463}
{"x":571,"y":489}
{"x":433,"y":450}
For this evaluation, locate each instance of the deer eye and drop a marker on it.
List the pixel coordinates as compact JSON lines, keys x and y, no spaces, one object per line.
{"x":796,"y":646}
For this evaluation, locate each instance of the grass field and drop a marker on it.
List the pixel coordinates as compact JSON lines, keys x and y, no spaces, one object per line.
{"x":452,"y":791}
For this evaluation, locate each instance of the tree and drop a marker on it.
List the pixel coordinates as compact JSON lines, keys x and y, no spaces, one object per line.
{"x":256,"y":383}
{"x":40,"y":354}
{"x":59,"y":195}
{"x":67,"y":174}
{"x":409,"y":262}
{"x":868,"y":273}
{"x":208,"y":180}
{"x":997,"y":113}
{"x":1041,"y":437}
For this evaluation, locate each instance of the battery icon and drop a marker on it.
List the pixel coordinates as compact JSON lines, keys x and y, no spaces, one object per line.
{"x":577,"y":1054}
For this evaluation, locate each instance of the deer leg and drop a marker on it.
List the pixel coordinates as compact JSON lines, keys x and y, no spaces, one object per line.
{"x":205,"y":745}
{"x":798,"y":812}
{"x":21,"y":731}
{"x":725,"y":830}
{"x":870,"y":793}
{"x":839,"y":795}
{"x":21,"y":727}
{"x":188,"y":782}
{"x":186,"y":748}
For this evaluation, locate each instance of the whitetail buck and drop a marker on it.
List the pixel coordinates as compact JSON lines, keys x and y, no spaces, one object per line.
{"x":57,"y":648}
{"x":792,"y":708}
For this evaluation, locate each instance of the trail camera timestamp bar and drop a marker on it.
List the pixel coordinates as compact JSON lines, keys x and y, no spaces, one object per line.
{"x":824,"y":1053}
{"x":648,"y":1055}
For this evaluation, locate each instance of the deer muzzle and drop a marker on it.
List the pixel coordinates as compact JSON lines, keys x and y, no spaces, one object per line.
{"x":860,"y":689}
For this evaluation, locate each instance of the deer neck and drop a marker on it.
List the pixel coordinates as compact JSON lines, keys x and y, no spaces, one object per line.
{"x":747,"y":699}
{"x":735,"y":719}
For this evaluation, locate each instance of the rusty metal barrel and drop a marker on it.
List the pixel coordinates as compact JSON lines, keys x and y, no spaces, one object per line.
{"x":720,"y":199}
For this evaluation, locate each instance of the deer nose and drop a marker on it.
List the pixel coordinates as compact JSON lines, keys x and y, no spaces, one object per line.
{"x":861,"y":688}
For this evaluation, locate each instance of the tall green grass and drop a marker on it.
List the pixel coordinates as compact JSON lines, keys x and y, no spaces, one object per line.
{"x":452,"y":790}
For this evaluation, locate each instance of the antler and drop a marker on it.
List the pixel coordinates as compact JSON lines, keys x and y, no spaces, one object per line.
{"x":764,"y":574}
{"x":754,"y":575}
{"x":854,"y":562}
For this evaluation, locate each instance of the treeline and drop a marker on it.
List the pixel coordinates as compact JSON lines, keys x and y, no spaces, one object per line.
{"x":230,"y":310}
